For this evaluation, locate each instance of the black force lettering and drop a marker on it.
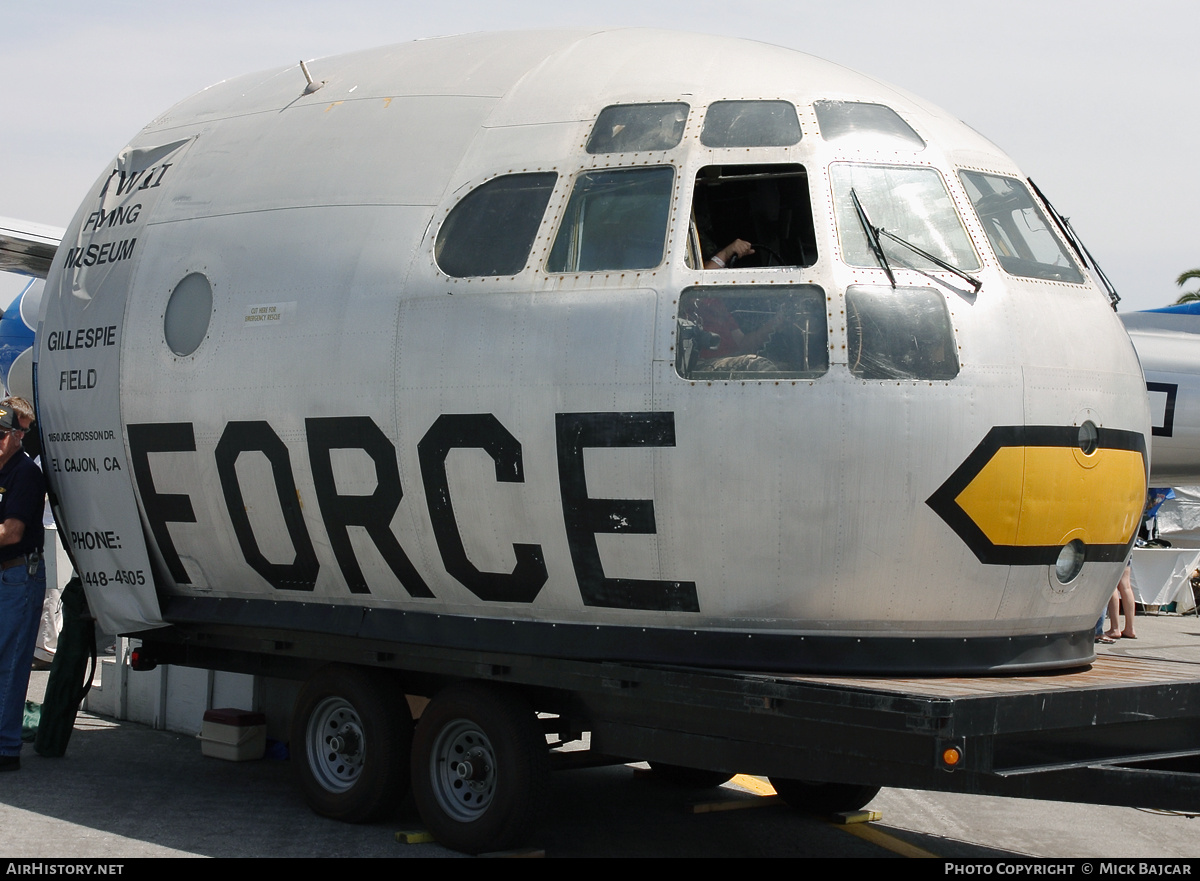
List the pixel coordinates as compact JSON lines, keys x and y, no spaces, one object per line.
{"x":585,"y":517}
{"x":374,"y":512}
{"x":481,"y":431}
{"x":244,"y":437}
{"x":162,"y":508}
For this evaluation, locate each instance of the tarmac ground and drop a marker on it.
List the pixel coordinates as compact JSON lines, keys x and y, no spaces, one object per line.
{"x":126,"y":791}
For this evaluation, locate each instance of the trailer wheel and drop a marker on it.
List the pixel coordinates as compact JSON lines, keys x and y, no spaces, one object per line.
{"x":480,"y":768}
{"x":823,"y":798}
{"x":351,"y":735}
{"x":693,"y":778}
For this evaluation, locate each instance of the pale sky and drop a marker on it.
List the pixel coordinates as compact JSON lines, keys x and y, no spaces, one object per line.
{"x":1096,"y":101}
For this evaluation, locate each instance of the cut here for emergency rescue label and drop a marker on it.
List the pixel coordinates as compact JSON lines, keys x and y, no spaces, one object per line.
{"x":268,"y":314}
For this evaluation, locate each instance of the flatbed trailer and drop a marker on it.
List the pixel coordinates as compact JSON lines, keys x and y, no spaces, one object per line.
{"x":1124,"y":731}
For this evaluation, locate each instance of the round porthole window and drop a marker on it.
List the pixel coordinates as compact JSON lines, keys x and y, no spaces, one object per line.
{"x":1089,"y":438}
{"x":189,"y":311}
{"x":1070,"y":561}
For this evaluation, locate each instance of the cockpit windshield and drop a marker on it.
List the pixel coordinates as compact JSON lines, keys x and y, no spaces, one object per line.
{"x":911,"y":203}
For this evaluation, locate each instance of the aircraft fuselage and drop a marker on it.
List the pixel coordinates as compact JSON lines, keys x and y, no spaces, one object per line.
{"x":434,"y":350}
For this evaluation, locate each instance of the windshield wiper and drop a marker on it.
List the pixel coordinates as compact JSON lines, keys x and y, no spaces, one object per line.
{"x":975,"y":283}
{"x":1081,"y":251}
{"x":872,"y":234}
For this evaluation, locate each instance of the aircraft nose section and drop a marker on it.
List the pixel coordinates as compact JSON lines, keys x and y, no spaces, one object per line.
{"x":1026,"y":491}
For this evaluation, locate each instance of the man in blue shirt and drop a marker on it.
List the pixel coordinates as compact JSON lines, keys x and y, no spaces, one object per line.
{"x":22,"y":574}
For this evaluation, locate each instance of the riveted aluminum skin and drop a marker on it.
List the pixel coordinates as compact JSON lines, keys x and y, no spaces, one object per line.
{"x":299,"y":419}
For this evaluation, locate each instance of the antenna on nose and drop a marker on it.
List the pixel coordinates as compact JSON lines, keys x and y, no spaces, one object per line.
{"x":312,"y":84}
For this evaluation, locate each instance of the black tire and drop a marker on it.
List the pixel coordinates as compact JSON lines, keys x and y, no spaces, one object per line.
{"x":692,"y":778}
{"x":480,"y":768}
{"x":351,"y":736}
{"x":823,"y":798}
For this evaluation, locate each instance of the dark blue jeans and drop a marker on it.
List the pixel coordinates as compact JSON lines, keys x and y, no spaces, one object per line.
{"x":21,"y":599}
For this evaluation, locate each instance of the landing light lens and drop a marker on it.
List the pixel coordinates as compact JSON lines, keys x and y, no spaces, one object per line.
{"x":1070,"y":561}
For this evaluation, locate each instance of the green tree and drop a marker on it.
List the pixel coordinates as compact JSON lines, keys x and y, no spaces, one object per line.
{"x":1184,"y":278}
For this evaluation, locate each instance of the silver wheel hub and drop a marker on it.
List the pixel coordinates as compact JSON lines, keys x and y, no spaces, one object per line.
{"x":335,"y":744}
{"x":463,"y":770}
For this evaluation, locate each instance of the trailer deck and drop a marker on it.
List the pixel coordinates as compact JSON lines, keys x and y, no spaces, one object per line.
{"x":1123,"y":731}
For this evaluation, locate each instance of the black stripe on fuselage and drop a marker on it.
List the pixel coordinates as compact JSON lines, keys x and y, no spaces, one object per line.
{"x":726,"y":649}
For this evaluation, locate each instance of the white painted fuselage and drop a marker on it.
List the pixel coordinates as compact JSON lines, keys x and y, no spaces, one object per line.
{"x":430,"y":353}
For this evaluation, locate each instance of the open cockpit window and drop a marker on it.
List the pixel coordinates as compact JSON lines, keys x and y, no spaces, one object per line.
{"x":899,"y":333}
{"x":909,"y":202}
{"x":615,"y":219}
{"x":1017,"y":228}
{"x":750,"y":124}
{"x":868,"y":123}
{"x":765,"y":205}
{"x":629,"y":128}
{"x":752,"y":332}
{"x":491,"y":231}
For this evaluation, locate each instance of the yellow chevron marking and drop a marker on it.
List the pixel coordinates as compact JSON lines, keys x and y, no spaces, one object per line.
{"x":1039,"y":496}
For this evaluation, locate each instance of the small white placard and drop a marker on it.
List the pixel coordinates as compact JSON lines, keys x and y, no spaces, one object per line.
{"x":269,"y":314}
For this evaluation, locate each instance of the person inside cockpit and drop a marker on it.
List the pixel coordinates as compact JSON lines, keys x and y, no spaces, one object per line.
{"x":735,"y":249}
{"x":736,"y":350}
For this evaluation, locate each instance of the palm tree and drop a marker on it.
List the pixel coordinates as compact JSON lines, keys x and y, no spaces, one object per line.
{"x":1190,"y":296}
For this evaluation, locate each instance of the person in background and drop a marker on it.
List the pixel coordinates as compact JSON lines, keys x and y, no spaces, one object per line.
{"x":52,"y":622}
{"x":1122,"y":596}
{"x":22,"y":575}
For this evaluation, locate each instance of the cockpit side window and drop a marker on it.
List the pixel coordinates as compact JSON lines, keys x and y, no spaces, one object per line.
{"x":1017,"y":228}
{"x":751,"y":124}
{"x":491,"y":231}
{"x":628,"y":128}
{"x":866,"y":122}
{"x":748,"y":332}
{"x":765,"y":205}
{"x":615,"y":219}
